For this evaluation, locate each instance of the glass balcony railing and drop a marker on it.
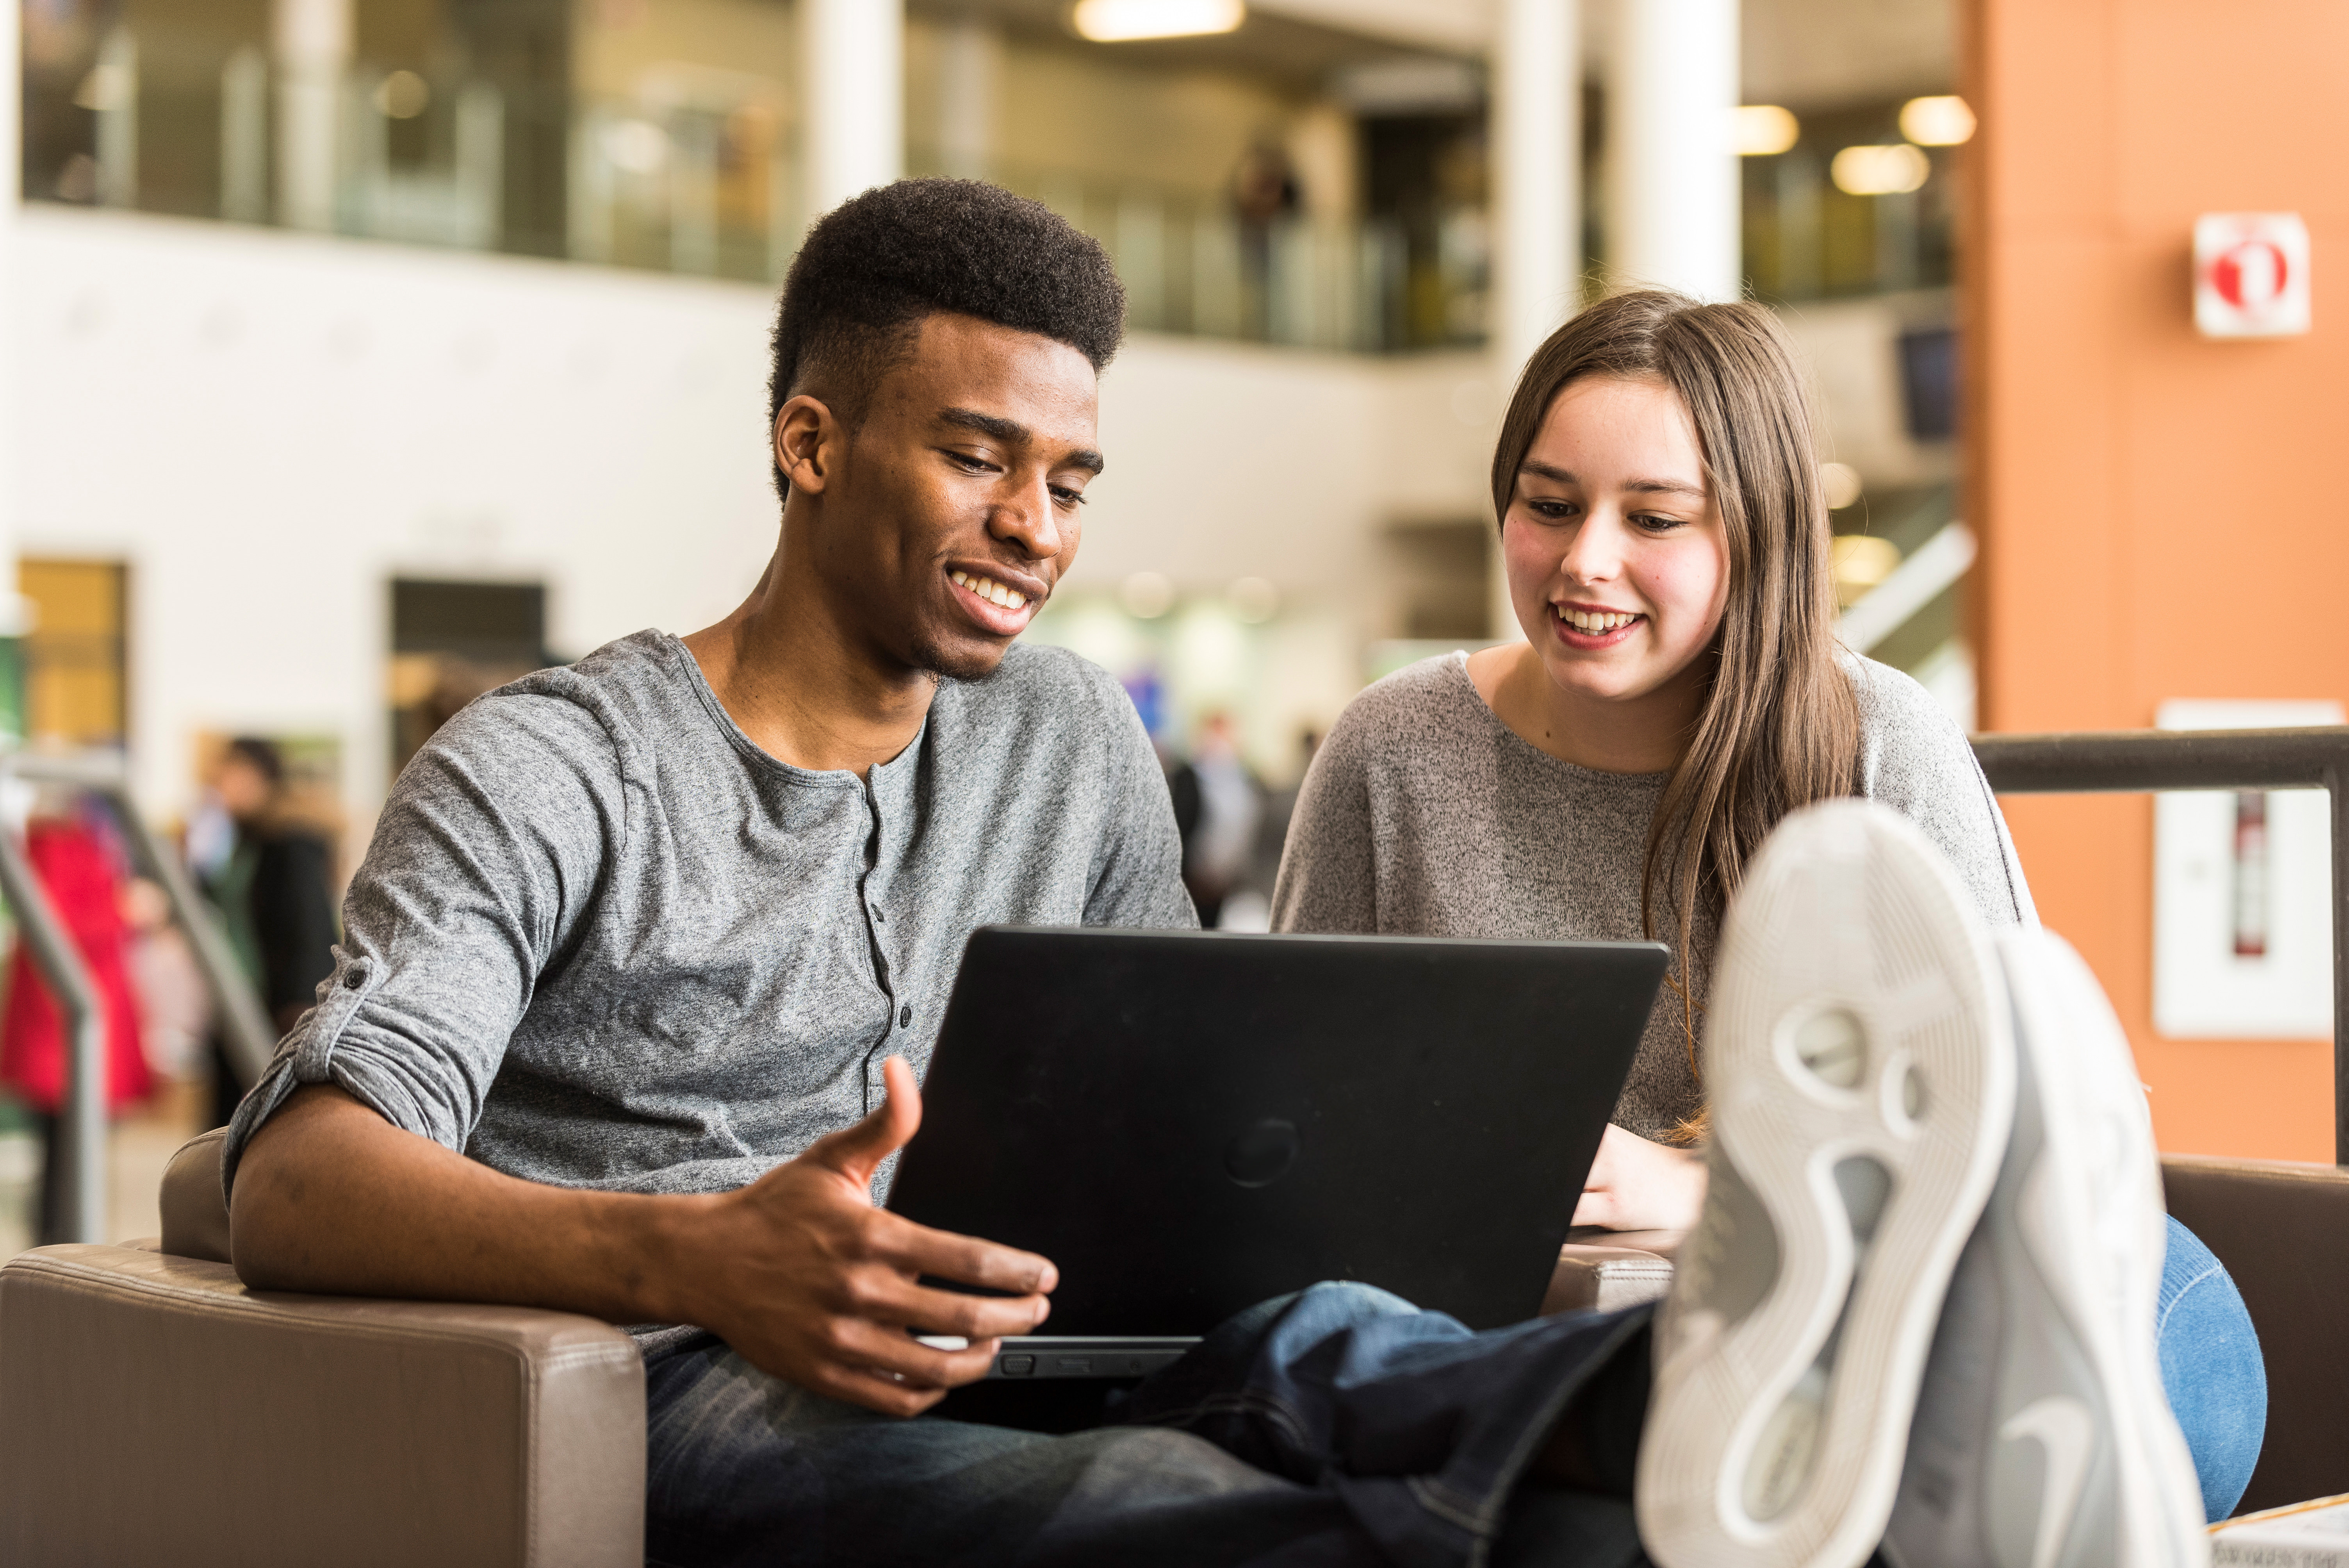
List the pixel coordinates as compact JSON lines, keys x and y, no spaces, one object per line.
{"x":696,"y":174}
{"x":1191,"y":263}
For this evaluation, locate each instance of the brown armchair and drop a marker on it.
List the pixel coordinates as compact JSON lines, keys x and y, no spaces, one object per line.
{"x":160,"y":1412}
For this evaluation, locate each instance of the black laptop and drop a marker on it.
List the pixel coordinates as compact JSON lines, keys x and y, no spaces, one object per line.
{"x":1190,"y":1122}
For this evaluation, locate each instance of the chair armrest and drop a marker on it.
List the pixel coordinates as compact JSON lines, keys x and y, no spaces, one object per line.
{"x":195,"y":1209}
{"x":2281,"y":1229}
{"x":1595,"y":1278}
{"x":158,"y":1411}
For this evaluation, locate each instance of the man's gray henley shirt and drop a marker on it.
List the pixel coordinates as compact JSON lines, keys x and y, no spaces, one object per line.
{"x":603,"y":940}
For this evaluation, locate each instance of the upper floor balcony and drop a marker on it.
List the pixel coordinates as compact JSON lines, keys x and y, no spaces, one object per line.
{"x":1291,"y":183}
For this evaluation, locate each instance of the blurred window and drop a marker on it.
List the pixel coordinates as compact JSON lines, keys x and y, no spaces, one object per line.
{"x":75,"y":658}
{"x":1807,"y":237}
{"x":450,"y":641}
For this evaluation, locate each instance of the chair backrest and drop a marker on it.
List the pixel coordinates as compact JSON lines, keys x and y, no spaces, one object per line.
{"x":2283,"y":1232}
{"x":195,"y":1210}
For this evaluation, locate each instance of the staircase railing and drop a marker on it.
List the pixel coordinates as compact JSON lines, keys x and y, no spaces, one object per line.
{"x":245,"y":1028}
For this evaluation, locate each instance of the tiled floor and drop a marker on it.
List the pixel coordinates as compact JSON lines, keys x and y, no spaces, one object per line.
{"x":141,"y":1145}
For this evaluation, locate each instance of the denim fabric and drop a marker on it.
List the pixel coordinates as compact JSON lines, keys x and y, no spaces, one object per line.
{"x":2211,"y":1368}
{"x":1334,"y":1428}
{"x":1337,"y":1427}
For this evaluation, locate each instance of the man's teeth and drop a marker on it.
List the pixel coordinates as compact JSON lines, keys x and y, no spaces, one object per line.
{"x":987,"y":588}
{"x":1595,"y":620}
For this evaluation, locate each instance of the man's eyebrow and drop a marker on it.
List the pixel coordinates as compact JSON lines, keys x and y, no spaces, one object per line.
{"x":1645,"y":487}
{"x":1013,"y":433}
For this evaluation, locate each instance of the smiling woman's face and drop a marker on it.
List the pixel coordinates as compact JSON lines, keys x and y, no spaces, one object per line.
{"x":1617,"y":560}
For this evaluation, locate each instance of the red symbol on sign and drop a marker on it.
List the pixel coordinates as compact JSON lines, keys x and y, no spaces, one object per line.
{"x":2250,"y":273}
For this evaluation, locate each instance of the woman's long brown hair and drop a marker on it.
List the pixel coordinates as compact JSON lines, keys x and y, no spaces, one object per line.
{"x":1780,"y":727}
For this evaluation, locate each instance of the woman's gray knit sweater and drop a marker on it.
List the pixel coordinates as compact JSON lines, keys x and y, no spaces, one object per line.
{"x":1423,"y":814}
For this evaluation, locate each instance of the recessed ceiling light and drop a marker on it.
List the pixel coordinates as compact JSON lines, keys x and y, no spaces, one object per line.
{"x":1942,"y":121}
{"x":1124,"y":21}
{"x":1892,"y":171}
{"x":1146,"y":595}
{"x":1764,"y":130}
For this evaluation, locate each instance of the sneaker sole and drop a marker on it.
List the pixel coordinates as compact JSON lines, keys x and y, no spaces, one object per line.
{"x":2089,"y":1219}
{"x":1776,"y":1440}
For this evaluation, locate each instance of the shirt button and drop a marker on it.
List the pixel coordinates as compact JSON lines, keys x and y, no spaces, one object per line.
{"x":353,"y":979}
{"x":905,"y":1015}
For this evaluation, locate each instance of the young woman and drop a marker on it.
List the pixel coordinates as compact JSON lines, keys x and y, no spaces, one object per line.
{"x":1679,"y":691}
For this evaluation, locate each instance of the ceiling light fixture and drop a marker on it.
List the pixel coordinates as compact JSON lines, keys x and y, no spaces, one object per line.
{"x":1943,"y":121}
{"x":1765,"y":130}
{"x":1893,"y":171}
{"x":1125,"y":21}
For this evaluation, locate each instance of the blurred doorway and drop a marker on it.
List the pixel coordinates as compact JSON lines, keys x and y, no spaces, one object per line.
{"x":452,"y":641}
{"x":76,"y":656}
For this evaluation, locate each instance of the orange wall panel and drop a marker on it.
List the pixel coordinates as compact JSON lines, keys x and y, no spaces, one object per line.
{"x":2157,"y":515}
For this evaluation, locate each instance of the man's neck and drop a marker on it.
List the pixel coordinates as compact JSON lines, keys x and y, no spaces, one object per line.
{"x":801,"y":685}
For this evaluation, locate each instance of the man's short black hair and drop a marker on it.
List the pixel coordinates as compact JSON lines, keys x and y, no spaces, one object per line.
{"x":878,"y":264}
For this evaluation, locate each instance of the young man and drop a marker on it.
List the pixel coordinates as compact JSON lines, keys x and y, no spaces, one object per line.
{"x":643,"y":948}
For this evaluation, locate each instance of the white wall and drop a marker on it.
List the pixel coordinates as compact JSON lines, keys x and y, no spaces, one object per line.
{"x":269,"y":427}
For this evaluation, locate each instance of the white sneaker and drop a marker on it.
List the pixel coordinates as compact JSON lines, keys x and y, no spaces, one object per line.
{"x":2043,"y":1438}
{"x":1860,"y":1069}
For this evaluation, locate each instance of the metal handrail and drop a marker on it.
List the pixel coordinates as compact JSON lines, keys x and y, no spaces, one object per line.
{"x":245,"y":1028}
{"x":2130,"y":760}
{"x":81,"y":1119}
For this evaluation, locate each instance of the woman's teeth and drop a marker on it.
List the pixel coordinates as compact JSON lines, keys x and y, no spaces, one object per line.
{"x":987,"y":588}
{"x":1595,"y":621}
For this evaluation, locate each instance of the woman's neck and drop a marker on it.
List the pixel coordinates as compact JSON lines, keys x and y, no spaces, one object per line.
{"x":1643,"y":734}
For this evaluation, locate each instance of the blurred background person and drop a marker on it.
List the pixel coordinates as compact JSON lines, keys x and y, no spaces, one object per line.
{"x":84,"y":888}
{"x":1218,"y":807}
{"x":269,"y":881}
{"x":1265,"y":193}
{"x":175,"y":1005}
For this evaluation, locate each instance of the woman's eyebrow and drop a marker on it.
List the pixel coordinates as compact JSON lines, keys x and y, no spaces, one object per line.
{"x":1645,"y":487}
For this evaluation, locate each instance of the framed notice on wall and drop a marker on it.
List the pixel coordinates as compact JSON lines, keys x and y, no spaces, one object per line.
{"x":2242,"y":919}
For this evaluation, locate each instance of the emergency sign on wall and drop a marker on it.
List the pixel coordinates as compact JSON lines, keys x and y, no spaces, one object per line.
{"x":2250,"y":274}
{"x":2242,"y":918}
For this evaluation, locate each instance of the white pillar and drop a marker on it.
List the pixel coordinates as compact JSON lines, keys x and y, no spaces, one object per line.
{"x":970,"y":75}
{"x":312,"y":41}
{"x":1537,"y":167}
{"x":14,"y":621}
{"x":1538,"y":199}
{"x":1672,"y":174}
{"x":853,"y":91}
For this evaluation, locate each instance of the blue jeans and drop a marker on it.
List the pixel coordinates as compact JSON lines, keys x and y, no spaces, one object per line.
{"x":2211,"y":1368}
{"x":1339,"y":1425}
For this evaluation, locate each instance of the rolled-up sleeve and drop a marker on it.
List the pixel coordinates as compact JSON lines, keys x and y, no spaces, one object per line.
{"x":485,"y":858}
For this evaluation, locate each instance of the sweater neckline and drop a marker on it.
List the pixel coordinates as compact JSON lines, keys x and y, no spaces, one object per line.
{"x":1455,"y":666}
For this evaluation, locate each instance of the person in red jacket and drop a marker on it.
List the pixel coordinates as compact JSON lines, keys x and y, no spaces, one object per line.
{"x":84,"y":892}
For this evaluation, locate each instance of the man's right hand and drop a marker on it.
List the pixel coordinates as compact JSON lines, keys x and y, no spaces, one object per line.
{"x":807,"y":1280}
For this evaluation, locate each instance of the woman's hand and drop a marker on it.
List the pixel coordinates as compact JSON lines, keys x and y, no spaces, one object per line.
{"x":1636,"y":1185}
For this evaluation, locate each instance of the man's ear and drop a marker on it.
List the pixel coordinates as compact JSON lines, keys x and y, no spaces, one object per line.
{"x":808,"y":441}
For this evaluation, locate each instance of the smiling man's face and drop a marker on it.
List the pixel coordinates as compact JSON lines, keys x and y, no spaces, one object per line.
{"x":954,"y":512}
